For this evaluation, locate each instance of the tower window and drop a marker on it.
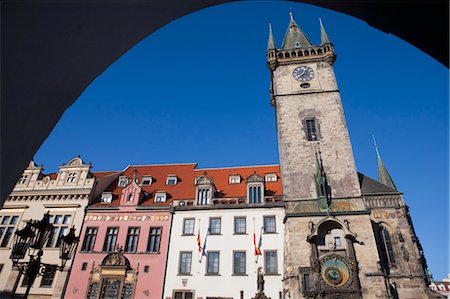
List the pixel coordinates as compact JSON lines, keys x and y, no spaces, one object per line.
{"x":387,"y":244}
{"x":311,"y":128}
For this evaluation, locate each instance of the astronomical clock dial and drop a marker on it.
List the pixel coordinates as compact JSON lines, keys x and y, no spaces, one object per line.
{"x":303,"y":73}
{"x":335,"y":272}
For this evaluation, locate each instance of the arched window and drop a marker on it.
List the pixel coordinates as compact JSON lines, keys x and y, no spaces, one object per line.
{"x":254,"y":194}
{"x":203,"y":196}
{"x":387,"y":246}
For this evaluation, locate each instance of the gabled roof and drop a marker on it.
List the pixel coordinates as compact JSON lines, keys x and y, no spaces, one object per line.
{"x":371,"y":187}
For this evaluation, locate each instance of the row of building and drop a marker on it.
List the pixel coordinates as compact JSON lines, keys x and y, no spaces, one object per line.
{"x":312,"y":227}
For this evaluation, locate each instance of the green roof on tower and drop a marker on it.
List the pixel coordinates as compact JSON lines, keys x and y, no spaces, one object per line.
{"x":271,"y":42}
{"x":294,"y":37}
{"x":383,"y":174}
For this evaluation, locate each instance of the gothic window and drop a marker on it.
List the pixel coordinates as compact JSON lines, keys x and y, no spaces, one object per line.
{"x":132,"y":239}
{"x":387,"y":246}
{"x":61,"y":225}
{"x":255,"y":193}
{"x":185,"y":263}
{"x":214,"y":226}
{"x":110,"y":239}
{"x":22,"y":179}
{"x":212,"y":265}
{"x":71,"y":177}
{"x":188,"y":226}
{"x":240,"y":225}
{"x":89,"y":239}
{"x":154,"y":240}
{"x":7,"y":227}
{"x":269,"y":225}
{"x":49,"y":275}
{"x":311,"y":129}
{"x":270,"y":262}
{"x":203,"y":195}
{"x":239,"y":263}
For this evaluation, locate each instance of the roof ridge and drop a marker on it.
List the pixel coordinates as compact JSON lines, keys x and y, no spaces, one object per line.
{"x":234,"y":167}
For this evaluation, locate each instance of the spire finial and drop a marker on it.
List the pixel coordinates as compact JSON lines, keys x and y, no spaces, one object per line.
{"x":376,"y":147}
{"x":291,"y":14}
{"x":383,"y":175}
{"x":323,"y":34}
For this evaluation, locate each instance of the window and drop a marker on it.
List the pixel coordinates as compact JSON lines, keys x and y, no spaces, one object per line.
{"x":311,"y":129}
{"x":387,"y":246}
{"x":132,"y":239}
{"x":203,"y":196}
{"x":154,"y":239}
{"x":110,"y":239}
{"x":127,"y":291}
{"x":7,"y":227}
{"x":240,"y":225}
{"x":271,"y":262}
{"x":25,"y":281}
{"x":188,"y":226}
{"x":22,"y":179}
{"x":123,"y":181}
{"x":89,"y":239}
{"x":337,"y":241}
{"x":71,"y":177}
{"x":212,"y":266}
{"x":146,"y":269}
{"x":185,"y":263}
{"x":84,"y":266}
{"x":239,"y":263}
{"x":269,"y":224}
{"x":160,"y":196}
{"x":254,"y":193}
{"x":171,"y":180}
{"x":49,"y":275}
{"x":183,"y":295}
{"x":147,"y":180}
{"x":234,"y":179}
{"x":93,"y":291}
{"x":271,"y":177}
{"x":106,"y":197}
{"x":214,"y":226}
{"x":61,"y":225}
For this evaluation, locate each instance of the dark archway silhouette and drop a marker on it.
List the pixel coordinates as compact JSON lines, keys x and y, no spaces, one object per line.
{"x":52,"y":51}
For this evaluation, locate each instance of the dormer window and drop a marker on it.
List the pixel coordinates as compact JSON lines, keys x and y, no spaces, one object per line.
{"x":271,"y":177}
{"x":71,"y":177}
{"x":160,"y":196}
{"x":22,"y":179}
{"x":123,"y":180}
{"x":171,"y":180}
{"x":234,"y":179}
{"x":147,"y":180}
{"x":205,"y":189}
{"x":106,"y":197}
{"x":203,"y":195}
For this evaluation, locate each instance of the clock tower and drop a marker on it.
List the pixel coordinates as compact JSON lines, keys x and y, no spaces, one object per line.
{"x":310,"y":117}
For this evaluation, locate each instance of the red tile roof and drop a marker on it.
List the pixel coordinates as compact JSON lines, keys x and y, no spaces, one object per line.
{"x":185,"y":187}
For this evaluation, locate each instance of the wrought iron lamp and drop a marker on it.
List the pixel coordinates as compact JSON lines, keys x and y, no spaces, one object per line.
{"x":33,"y":238}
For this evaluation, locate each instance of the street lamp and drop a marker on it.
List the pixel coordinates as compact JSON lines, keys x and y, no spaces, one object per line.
{"x":34,"y":236}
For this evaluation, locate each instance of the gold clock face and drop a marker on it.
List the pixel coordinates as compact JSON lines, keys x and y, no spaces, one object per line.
{"x":335,"y":272}
{"x":303,"y":73}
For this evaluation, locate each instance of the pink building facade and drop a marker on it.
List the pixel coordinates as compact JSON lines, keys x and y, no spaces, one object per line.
{"x":124,"y":241}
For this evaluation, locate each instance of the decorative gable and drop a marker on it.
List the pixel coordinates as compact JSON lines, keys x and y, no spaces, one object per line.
{"x":131,"y":194}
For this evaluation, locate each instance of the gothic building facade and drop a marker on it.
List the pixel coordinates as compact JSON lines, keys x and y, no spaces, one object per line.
{"x":346,"y":235}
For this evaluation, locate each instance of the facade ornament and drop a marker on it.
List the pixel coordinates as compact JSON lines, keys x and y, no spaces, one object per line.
{"x":260,"y":284}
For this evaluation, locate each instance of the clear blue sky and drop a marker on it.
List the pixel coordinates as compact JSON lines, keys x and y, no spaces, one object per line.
{"x":197,"y":90}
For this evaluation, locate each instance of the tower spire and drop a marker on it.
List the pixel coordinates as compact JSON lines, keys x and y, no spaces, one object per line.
{"x":271,"y":43}
{"x":383,"y":174}
{"x":323,"y":34}
{"x":294,"y":37}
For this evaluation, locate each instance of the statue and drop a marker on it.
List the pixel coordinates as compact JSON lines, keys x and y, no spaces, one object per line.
{"x":260,"y":281}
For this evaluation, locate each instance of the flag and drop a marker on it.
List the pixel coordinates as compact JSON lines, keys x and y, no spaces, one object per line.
{"x":198,"y":241}
{"x":257,"y":250}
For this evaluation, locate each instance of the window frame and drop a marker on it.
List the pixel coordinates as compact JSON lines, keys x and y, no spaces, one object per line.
{"x":234,"y":263}
{"x":54,"y":238}
{"x":275,"y":224}
{"x":136,"y":244}
{"x":208,"y":255}
{"x":276,"y":262}
{"x":183,"y":232}
{"x":92,"y":240}
{"x":180,"y":263}
{"x":316,"y":133}
{"x":52,"y":278}
{"x":245,"y":225}
{"x":158,"y":235}
{"x":8,"y":229}
{"x":104,"y":249}
{"x":209,"y":226}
